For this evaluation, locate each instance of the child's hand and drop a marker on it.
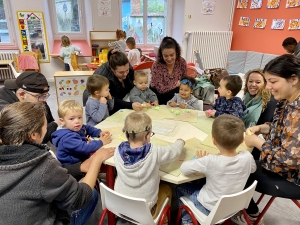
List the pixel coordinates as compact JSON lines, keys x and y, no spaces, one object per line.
{"x":103,"y":100}
{"x":155,"y":103}
{"x":207,"y":113}
{"x":181,"y":140}
{"x":182,"y":105}
{"x":109,"y":96}
{"x":213,"y":112}
{"x":201,"y":154}
{"x":173,"y":104}
{"x":104,"y":133}
{"x":146,"y":105}
{"x":105,"y":138}
{"x":177,"y":84}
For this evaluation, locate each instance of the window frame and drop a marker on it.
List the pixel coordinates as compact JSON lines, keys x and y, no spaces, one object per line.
{"x":72,"y":35}
{"x":13,"y":44}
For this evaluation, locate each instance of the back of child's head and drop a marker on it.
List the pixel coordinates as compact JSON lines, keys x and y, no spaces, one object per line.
{"x":68,"y":105}
{"x":19,"y":120}
{"x":137,"y":125}
{"x":234,"y":84}
{"x":228,"y":131}
{"x":130,"y":41}
{"x":139,"y":73}
{"x":289,"y":41}
{"x":65,"y":41}
{"x":120,"y":34}
{"x":96,"y":83}
{"x":191,"y":82}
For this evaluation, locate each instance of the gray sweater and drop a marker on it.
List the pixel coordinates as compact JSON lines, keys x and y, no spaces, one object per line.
{"x":191,"y":103}
{"x":137,"y":95}
{"x":35,"y":188}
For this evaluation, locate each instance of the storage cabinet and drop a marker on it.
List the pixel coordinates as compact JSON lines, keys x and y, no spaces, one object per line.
{"x":101,"y":38}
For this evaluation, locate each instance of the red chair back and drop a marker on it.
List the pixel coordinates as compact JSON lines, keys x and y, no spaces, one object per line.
{"x":191,"y":72}
{"x":144,"y":65}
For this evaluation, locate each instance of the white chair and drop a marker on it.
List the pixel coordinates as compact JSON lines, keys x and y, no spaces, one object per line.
{"x":226,"y":207}
{"x":135,"y":210}
{"x":14,"y":70}
{"x":201,"y":105}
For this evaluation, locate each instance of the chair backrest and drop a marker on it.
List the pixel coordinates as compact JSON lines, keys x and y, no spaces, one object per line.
{"x":27,"y":53}
{"x":16,"y":74}
{"x":199,"y":61}
{"x":74,"y":62}
{"x":134,"y":208}
{"x":192,"y":72}
{"x":230,"y":204}
{"x":144,"y":65}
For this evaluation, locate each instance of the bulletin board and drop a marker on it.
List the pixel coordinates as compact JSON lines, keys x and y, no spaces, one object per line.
{"x":33,"y":33}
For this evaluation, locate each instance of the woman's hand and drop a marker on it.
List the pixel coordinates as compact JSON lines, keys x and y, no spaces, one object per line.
{"x":253,"y":141}
{"x":103,"y":100}
{"x":136,"y":106}
{"x":172,"y":104}
{"x":253,"y":130}
{"x":177,"y":84}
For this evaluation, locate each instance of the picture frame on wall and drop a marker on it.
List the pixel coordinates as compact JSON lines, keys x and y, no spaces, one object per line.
{"x":33,"y":34}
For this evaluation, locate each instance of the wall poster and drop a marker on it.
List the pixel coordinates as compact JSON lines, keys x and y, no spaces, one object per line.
{"x":294,"y":24}
{"x":33,"y":33}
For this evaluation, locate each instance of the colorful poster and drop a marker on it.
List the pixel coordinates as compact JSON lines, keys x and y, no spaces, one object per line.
{"x":292,"y":3}
{"x":256,"y":4}
{"x":273,"y":4}
{"x":294,"y":24}
{"x":278,"y":24}
{"x":208,"y":7}
{"x":244,"y":21}
{"x":242,"y":4}
{"x":70,"y":86}
{"x":104,"y":8}
{"x":260,"y":23}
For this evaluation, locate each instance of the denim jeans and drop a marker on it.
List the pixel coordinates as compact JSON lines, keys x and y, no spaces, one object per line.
{"x":81,"y":216}
{"x":191,"y":191}
{"x":67,"y":67}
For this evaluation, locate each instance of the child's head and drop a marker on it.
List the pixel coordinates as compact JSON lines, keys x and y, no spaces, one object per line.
{"x":130,"y":42}
{"x":230,"y":86}
{"x":186,"y":87}
{"x":120,"y":34}
{"x":289,"y":44}
{"x":228,"y":132}
{"x":98,"y":86}
{"x":70,"y":114}
{"x":140,"y":80}
{"x":22,"y":122}
{"x":138,"y":127}
{"x":65,"y":41}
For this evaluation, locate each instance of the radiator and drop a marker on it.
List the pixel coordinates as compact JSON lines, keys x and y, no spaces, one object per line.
{"x":7,"y":55}
{"x":213,"y":47}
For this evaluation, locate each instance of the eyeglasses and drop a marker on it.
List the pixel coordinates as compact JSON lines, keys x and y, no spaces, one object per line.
{"x":40,"y":98}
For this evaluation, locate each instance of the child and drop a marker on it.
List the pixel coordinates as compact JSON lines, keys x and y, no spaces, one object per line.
{"x":66,"y":51}
{"x":138,"y":161}
{"x":227,"y":103}
{"x":226,"y":173}
{"x":120,"y":44}
{"x":134,"y":55}
{"x":185,"y":99}
{"x":100,"y":102}
{"x":140,"y":92}
{"x":70,"y":140}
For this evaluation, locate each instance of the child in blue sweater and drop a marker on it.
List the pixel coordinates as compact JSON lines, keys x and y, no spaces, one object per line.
{"x":71,"y":140}
{"x":228,"y":103}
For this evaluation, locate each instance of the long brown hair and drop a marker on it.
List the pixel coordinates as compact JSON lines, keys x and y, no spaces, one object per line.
{"x":19,"y":120}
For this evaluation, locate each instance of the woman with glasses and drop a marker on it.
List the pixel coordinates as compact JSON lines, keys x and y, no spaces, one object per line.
{"x":120,"y":75}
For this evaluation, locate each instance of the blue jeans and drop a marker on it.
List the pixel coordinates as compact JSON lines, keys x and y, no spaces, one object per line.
{"x":80,"y":216}
{"x":190,"y":191}
{"x":67,"y":67}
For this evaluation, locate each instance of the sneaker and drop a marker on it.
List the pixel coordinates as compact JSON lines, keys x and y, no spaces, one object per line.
{"x":239,"y":219}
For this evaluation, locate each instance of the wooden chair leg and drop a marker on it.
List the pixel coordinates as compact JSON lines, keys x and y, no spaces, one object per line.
{"x":103,"y":214}
{"x":195,"y":222}
{"x":264,"y":210}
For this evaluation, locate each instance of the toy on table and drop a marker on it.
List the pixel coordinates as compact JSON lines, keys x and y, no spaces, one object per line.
{"x":177,"y":112}
{"x":249,"y":132}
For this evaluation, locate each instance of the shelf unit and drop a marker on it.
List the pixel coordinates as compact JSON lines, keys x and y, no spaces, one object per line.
{"x":102,"y":38}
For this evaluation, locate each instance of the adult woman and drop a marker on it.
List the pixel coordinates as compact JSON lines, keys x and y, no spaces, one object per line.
{"x":167,"y":70}
{"x":278,"y":168}
{"x":120,"y":75}
{"x":31,"y":178}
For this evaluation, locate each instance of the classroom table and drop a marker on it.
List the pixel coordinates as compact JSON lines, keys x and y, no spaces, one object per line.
{"x":92,"y":66}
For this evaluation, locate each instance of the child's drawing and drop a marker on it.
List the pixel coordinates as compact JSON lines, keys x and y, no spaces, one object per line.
{"x":294,"y":24}
{"x":278,"y":24}
{"x":242,"y":4}
{"x":292,"y":3}
{"x":208,"y":7}
{"x":244,"y":21}
{"x":260,"y":23}
{"x":256,"y":4}
{"x":273,"y":4}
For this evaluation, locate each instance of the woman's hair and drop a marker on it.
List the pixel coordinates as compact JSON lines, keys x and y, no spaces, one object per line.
{"x":130,"y":41}
{"x":116,"y":59}
{"x":191,"y":82}
{"x":120,"y":34}
{"x":96,"y":83}
{"x":284,"y":66}
{"x":19,"y":120}
{"x":68,"y":105}
{"x":167,"y":43}
{"x":65,"y":41}
{"x":264,"y":93}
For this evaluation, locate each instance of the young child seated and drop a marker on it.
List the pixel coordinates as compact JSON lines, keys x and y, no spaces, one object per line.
{"x":185,"y":99}
{"x":141,"y":92}
{"x":100,"y":101}
{"x":227,"y":103}
{"x":138,"y":161}
{"x":70,"y":140}
{"x":226,"y":173}
{"x":134,"y":55}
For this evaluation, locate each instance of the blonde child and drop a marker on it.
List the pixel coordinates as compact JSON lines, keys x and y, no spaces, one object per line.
{"x":66,"y":51}
{"x":185,"y":99}
{"x":31,"y":178}
{"x":120,"y":44}
{"x":141,"y":92}
{"x":226,"y":173}
{"x":227,"y":103}
{"x":134,"y":55}
{"x":138,"y":161}
{"x":100,"y":101}
{"x":71,"y":139}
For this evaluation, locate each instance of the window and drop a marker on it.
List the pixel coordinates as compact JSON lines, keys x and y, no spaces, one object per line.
{"x":145,"y":20}
{"x":7,"y":37}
